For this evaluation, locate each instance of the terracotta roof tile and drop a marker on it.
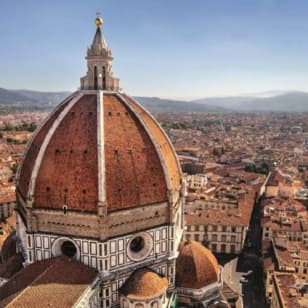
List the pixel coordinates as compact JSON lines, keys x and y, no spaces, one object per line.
{"x":285,"y":283}
{"x":167,"y":150}
{"x":58,"y":282}
{"x":284,"y":257}
{"x":133,"y":171}
{"x":196,"y":266}
{"x":11,"y":266}
{"x":68,"y":172}
{"x":34,"y":147}
{"x":144,"y":283}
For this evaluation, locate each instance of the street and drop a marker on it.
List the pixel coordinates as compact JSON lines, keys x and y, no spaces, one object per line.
{"x":249,"y":260}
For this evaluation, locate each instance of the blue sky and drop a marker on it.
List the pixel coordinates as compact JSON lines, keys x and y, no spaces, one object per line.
{"x":168,"y":48}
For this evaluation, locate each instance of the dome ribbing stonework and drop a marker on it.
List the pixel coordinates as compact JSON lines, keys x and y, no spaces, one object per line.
{"x":98,"y":147}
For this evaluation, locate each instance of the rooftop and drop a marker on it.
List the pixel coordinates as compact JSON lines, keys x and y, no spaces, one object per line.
{"x":59,"y":282}
{"x":144,"y":283}
{"x":196,"y":266}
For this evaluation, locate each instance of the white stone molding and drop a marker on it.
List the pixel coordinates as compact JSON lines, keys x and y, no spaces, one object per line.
{"x":101,"y":147}
{"x":46,"y":141}
{"x":148,"y":245}
{"x":164,"y":133}
{"x":29,"y":143}
{"x":156,"y":146}
{"x":56,"y":247}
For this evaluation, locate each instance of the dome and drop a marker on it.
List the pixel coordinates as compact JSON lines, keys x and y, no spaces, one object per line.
{"x":196,"y":266}
{"x":98,"y":147}
{"x":144,"y":283}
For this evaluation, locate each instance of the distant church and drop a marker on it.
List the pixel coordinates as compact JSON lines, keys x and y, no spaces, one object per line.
{"x":100,"y":198}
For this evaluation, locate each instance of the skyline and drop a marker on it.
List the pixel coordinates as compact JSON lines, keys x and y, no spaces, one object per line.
{"x":172,"y":49}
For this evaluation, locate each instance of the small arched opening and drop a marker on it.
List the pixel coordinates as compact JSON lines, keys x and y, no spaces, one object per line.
{"x":95,"y":78}
{"x":154,"y":304}
{"x":104,"y":77}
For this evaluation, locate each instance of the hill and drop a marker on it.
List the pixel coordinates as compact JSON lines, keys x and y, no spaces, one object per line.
{"x":156,"y":104}
{"x":18,"y":100}
{"x":288,"y":102}
{"x":15,"y":100}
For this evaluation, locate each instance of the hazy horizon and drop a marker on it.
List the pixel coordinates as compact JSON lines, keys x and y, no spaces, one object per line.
{"x":261,"y":94}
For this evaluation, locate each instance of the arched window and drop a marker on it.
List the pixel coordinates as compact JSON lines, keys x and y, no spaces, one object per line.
{"x":125,"y":303}
{"x":139,"y":305}
{"x":154,"y":304}
{"x":104,"y":77}
{"x":95,"y":78}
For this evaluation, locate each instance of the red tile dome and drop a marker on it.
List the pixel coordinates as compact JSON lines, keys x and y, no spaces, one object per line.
{"x":196,"y":266}
{"x":144,"y":284}
{"x":98,"y":146}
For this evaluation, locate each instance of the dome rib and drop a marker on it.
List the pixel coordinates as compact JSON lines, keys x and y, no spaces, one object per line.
{"x":144,"y":284}
{"x":33,"y":147}
{"x":196,"y":266}
{"x":46,"y":141}
{"x":72,"y":149}
{"x":156,"y":145}
{"x":162,"y":143}
{"x":134,"y":173}
{"x":99,"y":148}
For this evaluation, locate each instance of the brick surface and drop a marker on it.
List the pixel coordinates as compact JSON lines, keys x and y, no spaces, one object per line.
{"x":134,"y":175}
{"x":166,"y":149}
{"x":68,"y":173}
{"x":36,"y":143}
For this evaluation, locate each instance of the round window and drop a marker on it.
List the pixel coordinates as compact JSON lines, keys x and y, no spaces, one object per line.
{"x":140,"y":246}
{"x":137,"y":244}
{"x":68,"y":249}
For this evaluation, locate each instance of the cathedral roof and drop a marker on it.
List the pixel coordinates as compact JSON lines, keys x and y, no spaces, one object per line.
{"x":59,"y":282}
{"x":196,"y":266}
{"x":99,"y":39}
{"x":144,"y":283}
{"x":11,"y":266}
{"x":98,"y":147}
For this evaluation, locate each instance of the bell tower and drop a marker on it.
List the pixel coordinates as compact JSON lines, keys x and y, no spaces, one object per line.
{"x":99,"y":61}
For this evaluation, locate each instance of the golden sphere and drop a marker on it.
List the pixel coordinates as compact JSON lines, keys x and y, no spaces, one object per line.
{"x":98,"y":21}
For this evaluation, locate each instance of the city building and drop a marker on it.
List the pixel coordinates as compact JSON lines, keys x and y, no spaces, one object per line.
{"x":284,"y":251}
{"x":286,"y":293}
{"x":220,"y":224}
{"x":197,"y":180}
{"x":7,"y":205}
